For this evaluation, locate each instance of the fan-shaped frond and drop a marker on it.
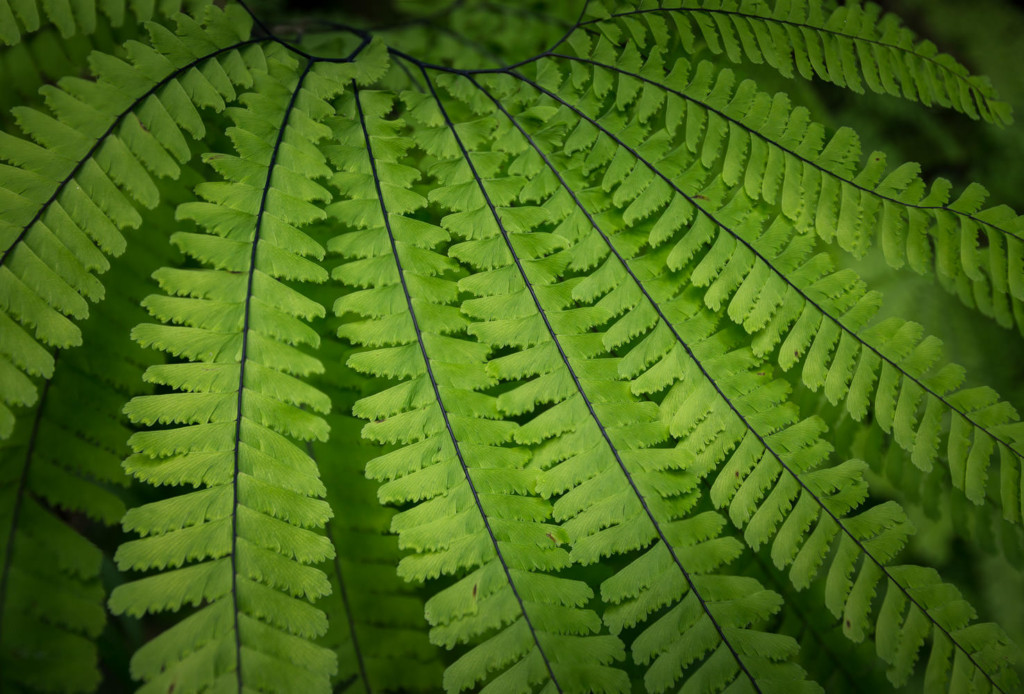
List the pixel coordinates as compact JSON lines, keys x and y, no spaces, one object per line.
{"x":772,"y":448}
{"x":615,"y":391}
{"x":239,"y":548}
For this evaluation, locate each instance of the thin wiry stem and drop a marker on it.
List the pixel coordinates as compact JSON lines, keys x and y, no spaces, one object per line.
{"x":346,"y":602}
{"x":412,"y":78}
{"x":568,"y":32}
{"x":271,"y":36}
{"x":506,"y":68}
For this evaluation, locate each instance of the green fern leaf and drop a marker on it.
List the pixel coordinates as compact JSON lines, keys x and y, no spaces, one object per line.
{"x":72,"y":188}
{"x":452,"y":464}
{"x":775,"y":456}
{"x":852,"y":46}
{"x":247,"y":532}
{"x":802,"y":306}
{"x":376,"y":622}
{"x":627,"y":423}
{"x":600,"y":515}
{"x":71,"y":17}
{"x":879,"y":525}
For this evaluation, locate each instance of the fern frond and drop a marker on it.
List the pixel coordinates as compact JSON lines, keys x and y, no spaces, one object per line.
{"x":757,"y":266}
{"x":596,"y":436}
{"x":929,"y":496}
{"x":615,"y":390}
{"x":850,"y":45}
{"x":73,"y":187}
{"x":45,"y":56}
{"x":56,"y":478}
{"x":779,"y":156}
{"x":828,"y":656}
{"x":50,"y":598}
{"x":40,"y":42}
{"x":239,"y":548}
{"x":774,"y":487}
{"x":376,"y":624}
{"x":764,"y":462}
{"x":473,"y":513}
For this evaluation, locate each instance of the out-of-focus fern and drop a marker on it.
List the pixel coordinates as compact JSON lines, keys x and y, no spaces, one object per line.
{"x":51,"y":601}
{"x":584,"y":300}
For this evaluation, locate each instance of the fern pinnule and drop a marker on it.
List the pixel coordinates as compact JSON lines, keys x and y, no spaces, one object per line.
{"x":473,"y":511}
